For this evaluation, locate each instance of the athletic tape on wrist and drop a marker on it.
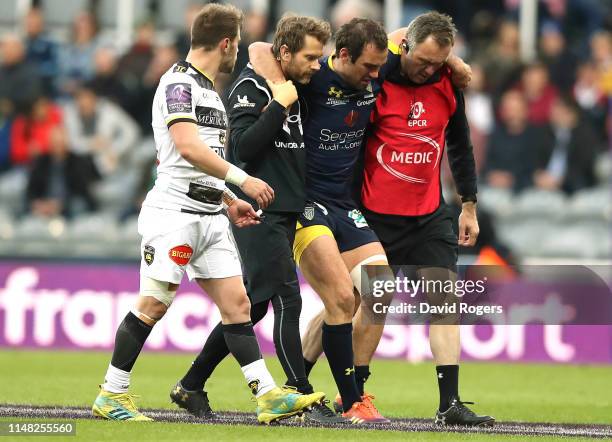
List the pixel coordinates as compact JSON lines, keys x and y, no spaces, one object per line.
{"x":236,"y":176}
{"x":228,"y":198}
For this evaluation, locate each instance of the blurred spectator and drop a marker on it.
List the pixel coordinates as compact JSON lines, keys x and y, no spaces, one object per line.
{"x":163,"y":59}
{"x":479,"y":110}
{"x":501,"y":61}
{"x":31,"y":132}
{"x":590,"y":96}
{"x":41,"y":50}
{"x":560,"y":62}
{"x":77,"y":57}
{"x":255,"y":28}
{"x":19,"y":80}
{"x":567,"y":162}
{"x":134,"y":62}
{"x":131,"y":70}
{"x":539,"y":92}
{"x":511,"y":147}
{"x":601,"y":54}
{"x":106,"y":82}
{"x":100,"y":132}
{"x":346,"y":10}
{"x":6,"y":123}
{"x":56,"y":180}
{"x":183,"y":39}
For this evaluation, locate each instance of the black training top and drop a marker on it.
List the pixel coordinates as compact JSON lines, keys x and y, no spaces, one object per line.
{"x":266,"y":141}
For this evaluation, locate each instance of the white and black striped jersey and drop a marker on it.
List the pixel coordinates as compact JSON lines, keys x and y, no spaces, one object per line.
{"x":186,"y":94}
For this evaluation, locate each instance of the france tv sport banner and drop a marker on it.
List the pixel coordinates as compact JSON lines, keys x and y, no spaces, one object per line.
{"x":79,"y":306}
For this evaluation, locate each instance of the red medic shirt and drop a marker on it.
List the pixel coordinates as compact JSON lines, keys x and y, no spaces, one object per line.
{"x":407,"y":139}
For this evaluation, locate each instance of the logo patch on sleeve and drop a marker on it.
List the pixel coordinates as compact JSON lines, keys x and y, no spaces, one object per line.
{"x":181,"y":254}
{"x":178,"y":98}
{"x":148,"y":254}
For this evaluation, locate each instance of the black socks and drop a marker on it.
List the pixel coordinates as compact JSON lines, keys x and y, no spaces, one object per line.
{"x":129,"y":340}
{"x":338,"y":347}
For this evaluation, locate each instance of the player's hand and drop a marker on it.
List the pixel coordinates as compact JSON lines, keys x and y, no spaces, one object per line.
{"x":462,"y":72}
{"x":285,"y":93}
{"x":242,"y":214}
{"x":468,"y":225}
{"x":259,"y":191}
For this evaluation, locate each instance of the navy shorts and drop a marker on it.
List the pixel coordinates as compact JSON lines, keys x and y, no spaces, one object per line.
{"x":344,"y":222}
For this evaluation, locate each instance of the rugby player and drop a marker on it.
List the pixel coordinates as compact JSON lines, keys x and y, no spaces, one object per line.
{"x":333,"y":239}
{"x":266,"y":141}
{"x":418,"y":113}
{"x":183,"y":228}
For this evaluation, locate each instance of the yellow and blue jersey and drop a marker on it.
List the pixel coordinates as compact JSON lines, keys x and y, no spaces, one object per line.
{"x":337,"y":118}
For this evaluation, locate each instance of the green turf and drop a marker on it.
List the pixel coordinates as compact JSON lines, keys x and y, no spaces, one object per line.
{"x":511,"y":392}
{"x":161,"y":431}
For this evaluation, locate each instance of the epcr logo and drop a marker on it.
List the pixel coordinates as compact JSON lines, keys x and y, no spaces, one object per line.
{"x":417,"y":109}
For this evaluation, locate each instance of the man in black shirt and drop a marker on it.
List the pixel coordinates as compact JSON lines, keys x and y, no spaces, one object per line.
{"x":266,"y":142}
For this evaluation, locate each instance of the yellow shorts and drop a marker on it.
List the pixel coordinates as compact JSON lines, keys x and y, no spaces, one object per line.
{"x":304,"y":236}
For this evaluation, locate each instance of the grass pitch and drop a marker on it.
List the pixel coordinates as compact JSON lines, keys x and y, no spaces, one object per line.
{"x":511,"y":392}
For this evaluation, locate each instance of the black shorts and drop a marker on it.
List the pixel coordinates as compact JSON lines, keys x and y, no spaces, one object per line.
{"x":344,"y":222}
{"x":267,"y":258}
{"x":422,"y":241}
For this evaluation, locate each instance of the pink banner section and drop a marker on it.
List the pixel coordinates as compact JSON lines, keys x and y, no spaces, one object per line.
{"x":79,"y":306}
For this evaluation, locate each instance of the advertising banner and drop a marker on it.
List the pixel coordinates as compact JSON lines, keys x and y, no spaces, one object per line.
{"x":79,"y":306}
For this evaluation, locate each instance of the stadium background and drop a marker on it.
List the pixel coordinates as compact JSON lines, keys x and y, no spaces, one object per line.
{"x":76,"y":82}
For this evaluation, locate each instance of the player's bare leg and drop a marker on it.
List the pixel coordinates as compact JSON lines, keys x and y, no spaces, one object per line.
{"x":114,"y":402}
{"x":326,"y":272}
{"x":312,"y":346}
{"x":366,"y":335}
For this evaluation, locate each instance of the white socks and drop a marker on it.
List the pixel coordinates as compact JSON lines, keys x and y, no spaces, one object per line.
{"x":258,"y":377}
{"x":117,"y":381}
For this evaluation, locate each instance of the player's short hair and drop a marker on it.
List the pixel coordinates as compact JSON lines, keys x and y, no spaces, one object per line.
{"x":358,"y":33}
{"x":433,"y":23}
{"x":292,"y":30}
{"x":214,"y":23}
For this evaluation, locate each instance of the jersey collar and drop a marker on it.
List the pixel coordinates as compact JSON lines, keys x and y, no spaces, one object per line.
{"x":202,"y":73}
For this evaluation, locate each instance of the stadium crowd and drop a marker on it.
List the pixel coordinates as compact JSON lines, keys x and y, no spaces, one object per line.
{"x":75,"y":123}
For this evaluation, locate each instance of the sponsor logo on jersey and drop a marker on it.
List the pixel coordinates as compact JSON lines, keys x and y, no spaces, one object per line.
{"x":366,"y":101}
{"x":414,"y":117}
{"x":351,"y":118}
{"x":288,"y":145}
{"x":293,"y":119}
{"x":358,"y":218}
{"x":335,"y":92}
{"x":180,"y":254}
{"x":336,"y":97}
{"x":211,"y":117}
{"x":148,"y":254}
{"x":309,"y":212}
{"x":430,"y":157}
{"x":222,"y":135}
{"x":243,"y":101}
{"x":178,"y":98}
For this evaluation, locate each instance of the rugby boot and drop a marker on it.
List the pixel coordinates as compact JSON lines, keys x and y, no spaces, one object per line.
{"x":459,"y":414}
{"x":363,"y":413}
{"x":320,"y":413}
{"x":117,"y":407}
{"x":281,"y":403}
{"x":368,"y":400}
{"x":195,"y":402}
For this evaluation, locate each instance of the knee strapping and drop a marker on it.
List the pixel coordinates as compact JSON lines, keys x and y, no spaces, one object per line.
{"x":157,"y":289}
{"x":356,"y":272}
